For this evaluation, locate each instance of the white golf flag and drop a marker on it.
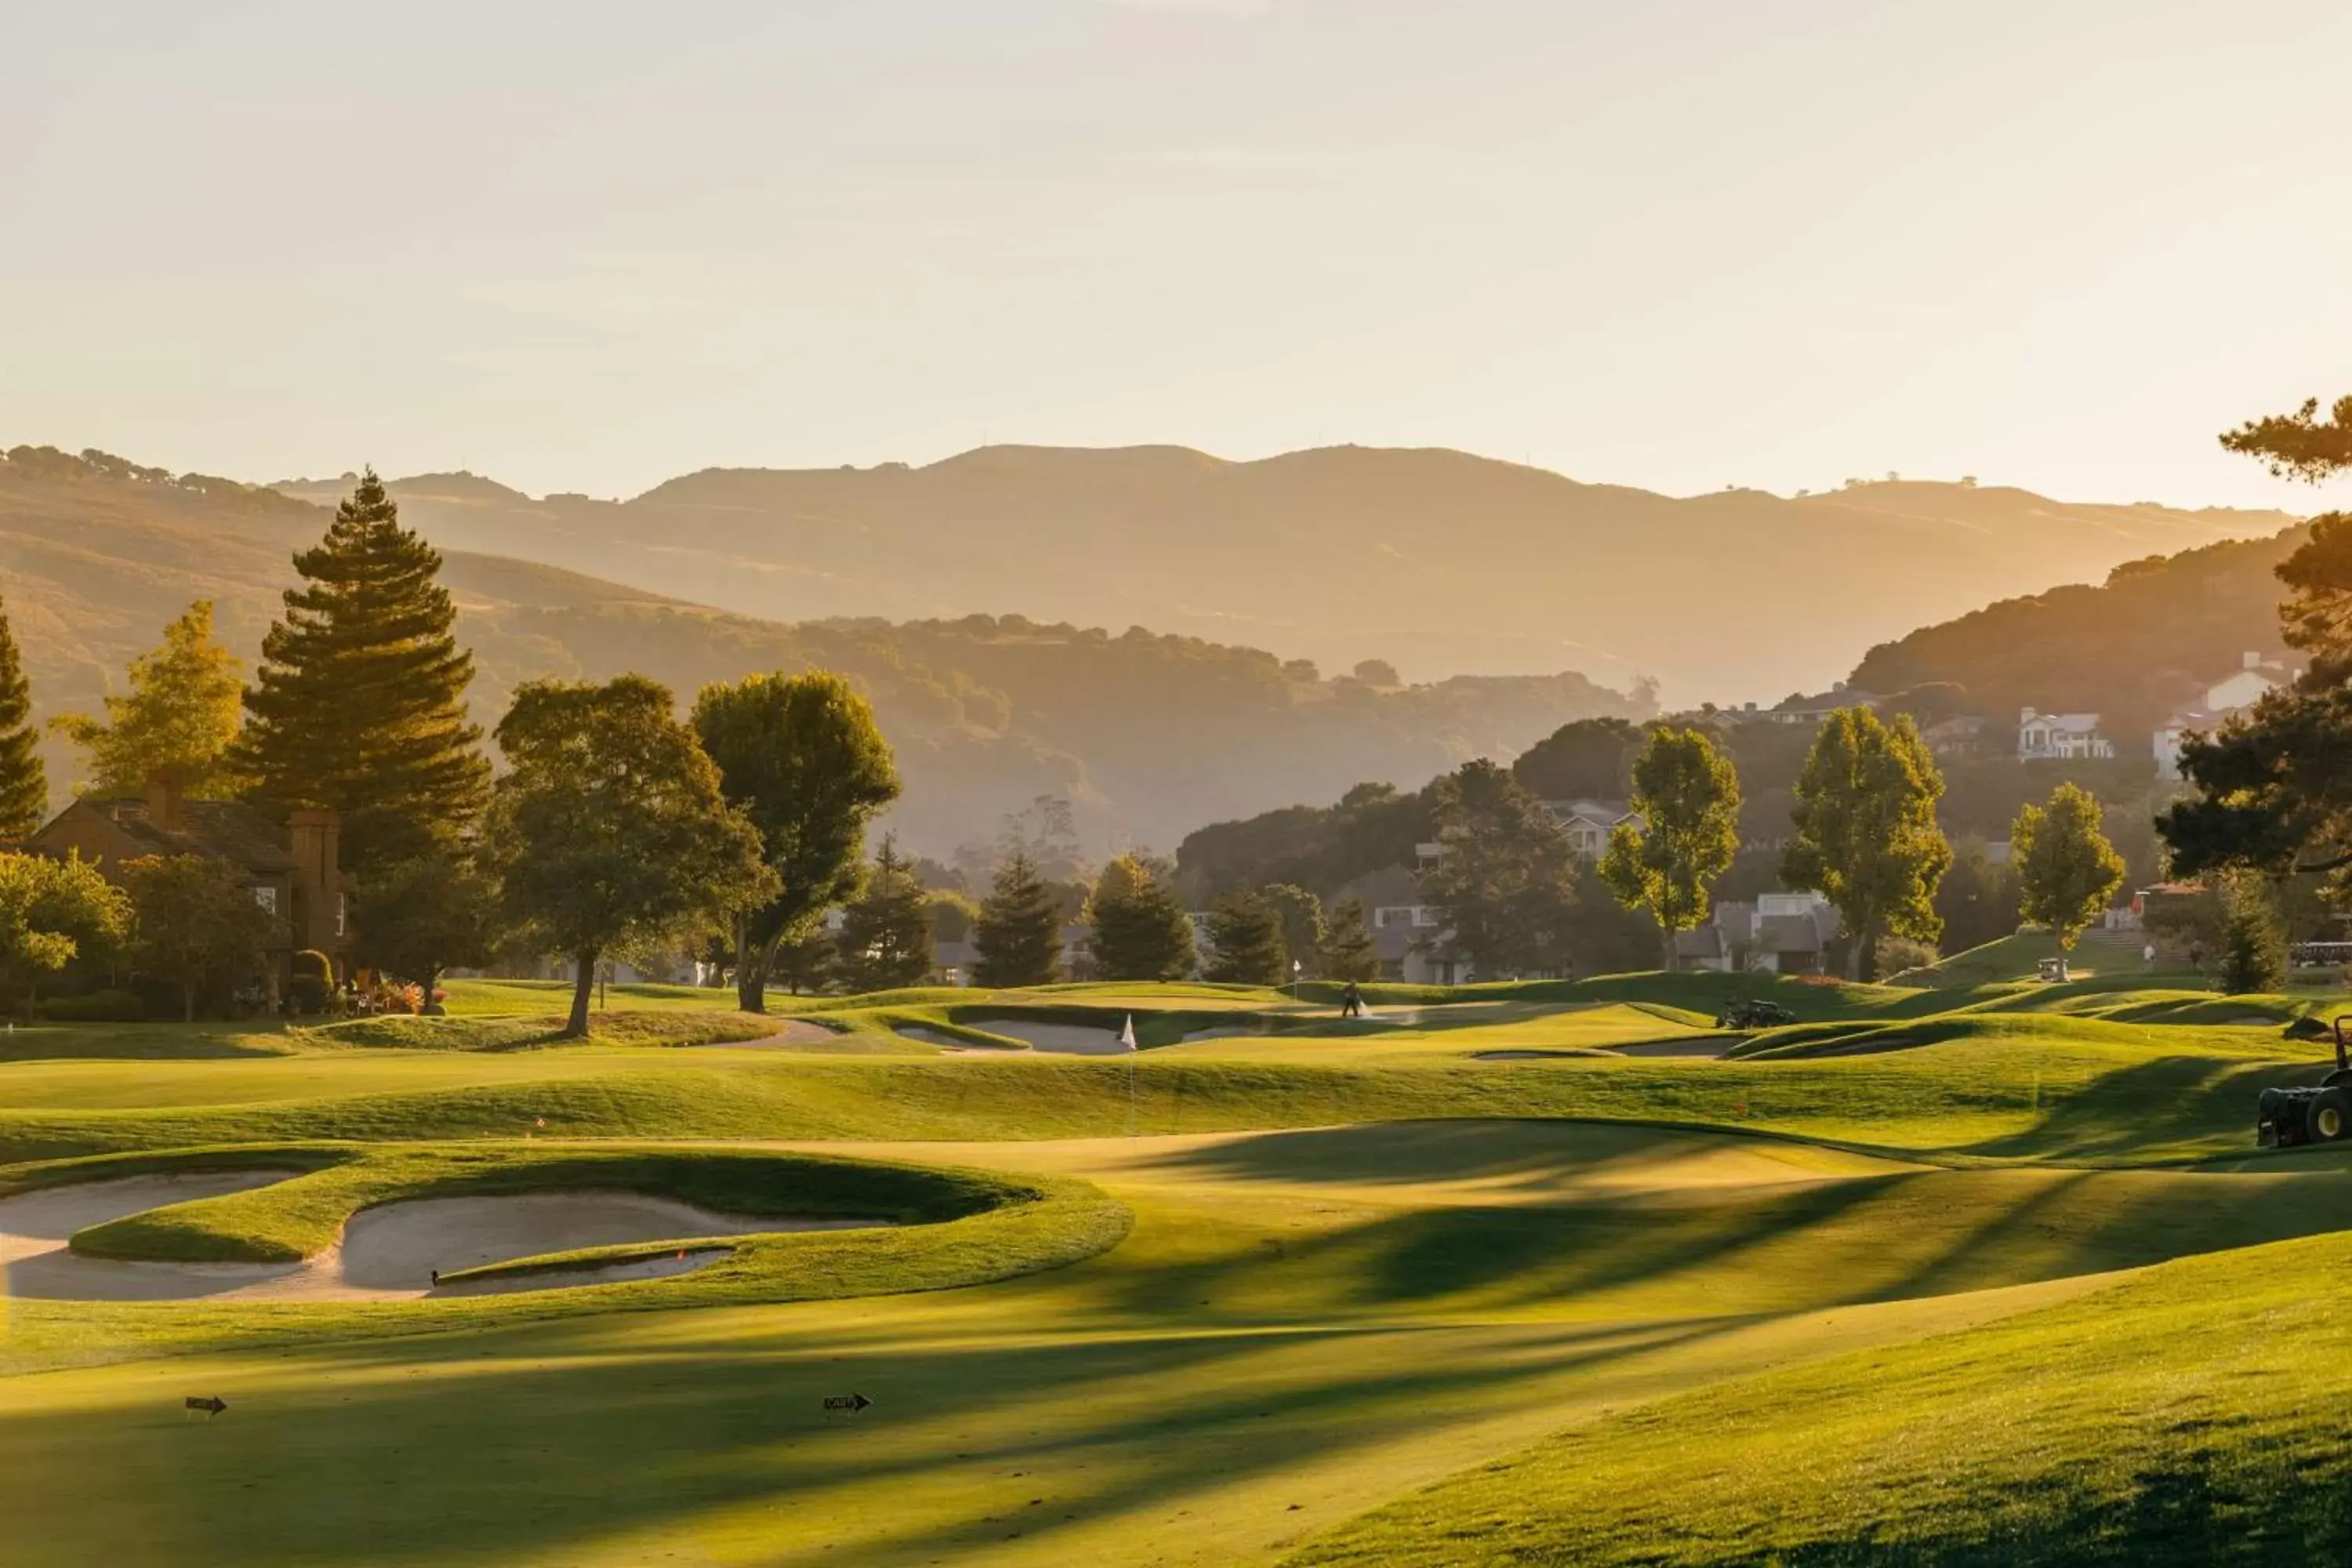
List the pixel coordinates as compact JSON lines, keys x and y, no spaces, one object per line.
{"x":1127,"y":1035}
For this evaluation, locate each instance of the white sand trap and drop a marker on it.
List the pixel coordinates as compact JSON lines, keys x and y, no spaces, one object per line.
{"x":387,"y":1253}
{"x":1061,"y":1040}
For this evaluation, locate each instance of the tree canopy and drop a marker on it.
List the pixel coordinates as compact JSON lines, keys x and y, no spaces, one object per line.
{"x":23,"y":782}
{"x":610,"y":827}
{"x":1867,"y":835}
{"x":1245,"y":946}
{"x":197,"y":926}
{"x":885,"y":930}
{"x":1682,"y":835}
{"x":359,"y":704}
{"x":1019,"y":933}
{"x":53,"y":912}
{"x":2275,"y":784}
{"x":1505,"y":881}
{"x":1349,"y":951}
{"x":2066,"y":869}
{"x":803,"y":759}
{"x":1138,"y":930}
{"x":177,"y":723}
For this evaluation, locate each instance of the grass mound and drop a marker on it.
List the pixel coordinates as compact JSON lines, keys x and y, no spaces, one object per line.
{"x":480,"y":1032}
{"x":2193,"y":1414}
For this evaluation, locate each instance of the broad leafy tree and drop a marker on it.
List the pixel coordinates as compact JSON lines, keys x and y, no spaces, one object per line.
{"x":802,"y":757}
{"x":1349,"y":950}
{"x":1586,"y":759}
{"x":2066,"y":869}
{"x":1138,"y":930}
{"x":1019,"y":933}
{"x":1505,"y":883}
{"x":1866,"y":833}
{"x":1245,"y":946}
{"x":177,"y":723}
{"x":23,"y":782}
{"x":885,"y":930}
{"x":1683,"y":836}
{"x":432,"y":911}
{"x":609,"y":825}
{"x":197,"y":925}
{"x":51,"y":912}
{"x":359,"y":704}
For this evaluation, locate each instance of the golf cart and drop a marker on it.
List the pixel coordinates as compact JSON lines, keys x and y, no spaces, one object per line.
{"x":2317,"y":1114}
{"x":1745,"y":1015}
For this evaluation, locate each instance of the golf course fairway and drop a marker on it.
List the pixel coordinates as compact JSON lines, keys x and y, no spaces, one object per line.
{"x":1540,"y":1274}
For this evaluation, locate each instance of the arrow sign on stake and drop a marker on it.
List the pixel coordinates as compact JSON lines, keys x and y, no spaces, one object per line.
{"x":853,"y":1403}
{"x":212,"y":1405}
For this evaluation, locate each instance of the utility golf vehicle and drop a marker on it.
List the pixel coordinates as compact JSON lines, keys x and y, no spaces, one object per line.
{"x":1744,"y":1015}
{"x":2316,"y":1113}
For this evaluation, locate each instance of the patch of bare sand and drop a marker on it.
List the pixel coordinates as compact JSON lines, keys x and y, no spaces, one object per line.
{"x":387,"y":1254}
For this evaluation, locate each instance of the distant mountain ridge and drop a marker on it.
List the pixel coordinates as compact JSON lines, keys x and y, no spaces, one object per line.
{"x":1438,"y":561}
{"x":1146,"y":735}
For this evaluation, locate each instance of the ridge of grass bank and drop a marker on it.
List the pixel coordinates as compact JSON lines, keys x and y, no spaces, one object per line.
{"x":1999,"y":1091}
{"x":495,"y":1031}
{"x":2192,"y":1414}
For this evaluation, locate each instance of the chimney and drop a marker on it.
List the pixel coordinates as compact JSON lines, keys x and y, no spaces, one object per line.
{"x":318,"y":872}
{"x":2254,"y":661}
{"x":2025,"y":716}
{"x":164,"y":803}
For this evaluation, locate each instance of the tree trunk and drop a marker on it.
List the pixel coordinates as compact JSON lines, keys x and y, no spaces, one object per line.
{"x":1862,"y":960}
{"x":187,"y":1002}
{"x":428,"y":1007}
{"x":583,"y":975}
{"x":1669,"y":965}
{"x":752,"y":970}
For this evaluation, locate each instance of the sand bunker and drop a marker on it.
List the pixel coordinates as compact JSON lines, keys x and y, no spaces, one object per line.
{"x":388,"y":1253}
{"x":1062,"y":1040}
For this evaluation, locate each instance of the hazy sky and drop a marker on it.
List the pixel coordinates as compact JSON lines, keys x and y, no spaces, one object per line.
{"x":1673,"y":243}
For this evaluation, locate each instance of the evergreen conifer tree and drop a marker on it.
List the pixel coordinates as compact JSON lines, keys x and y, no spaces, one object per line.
{"x":1245,"y":940}
{"x":885,"y":930}
{"x":24,"y":783}
{"x":1139,"y":930}
{"x":1019,"y":933}
{"x":359,"y":705}
{"x":1349,"y":952}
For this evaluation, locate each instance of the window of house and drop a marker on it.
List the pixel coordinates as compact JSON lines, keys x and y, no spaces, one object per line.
{"x":342,"y":914}
{"x":1422,"y":915}
{"x":267,"y":897}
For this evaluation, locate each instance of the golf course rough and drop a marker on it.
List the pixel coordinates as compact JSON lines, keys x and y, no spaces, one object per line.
{"x":1963,"y":1271}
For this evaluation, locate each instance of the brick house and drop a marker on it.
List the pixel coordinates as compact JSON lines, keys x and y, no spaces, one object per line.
{"x":294,"y":872}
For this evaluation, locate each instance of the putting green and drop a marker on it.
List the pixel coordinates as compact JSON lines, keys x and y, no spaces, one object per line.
{"x":1348,"y":1264}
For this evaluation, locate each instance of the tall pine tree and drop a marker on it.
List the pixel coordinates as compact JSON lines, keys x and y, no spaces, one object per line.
{"x":24,"y":784}
{"x":1019,"y":933}
{"x":359,"y":705}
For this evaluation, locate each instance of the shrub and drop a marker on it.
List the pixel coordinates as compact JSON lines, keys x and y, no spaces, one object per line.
{"x":1897,"y":953}
{"x":114,"y":1006}
{"x":312,"y":962}
{"x":307,"y":994}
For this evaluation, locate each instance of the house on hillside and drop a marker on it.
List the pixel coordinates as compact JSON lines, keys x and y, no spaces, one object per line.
{"x":1963,"y":735}
{"x":2068,"y":737}
{"x":1779,"y":933}
{"x":1401,"y":925}
{"x":2255,"y":679}
{"x":1801,"y":709}
{"x":294,"y":872}
{"x":1587,"y":823}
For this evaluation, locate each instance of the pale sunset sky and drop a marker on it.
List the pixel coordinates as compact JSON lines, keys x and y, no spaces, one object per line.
{"x":1678,"y":244}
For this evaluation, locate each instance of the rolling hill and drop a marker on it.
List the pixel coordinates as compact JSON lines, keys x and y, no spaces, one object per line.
{"x":1145,"y":734}
{"x":1437,"y":561}
{"x":2130,"y":649}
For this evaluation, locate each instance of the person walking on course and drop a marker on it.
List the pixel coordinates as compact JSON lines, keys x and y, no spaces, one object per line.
{"x":1351,"y":1001}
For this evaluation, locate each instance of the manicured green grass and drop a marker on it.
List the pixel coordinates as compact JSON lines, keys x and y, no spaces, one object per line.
{"x":2194,"y":1415}
{"x":1261,"y":1284}
{"x":499,"y":1032}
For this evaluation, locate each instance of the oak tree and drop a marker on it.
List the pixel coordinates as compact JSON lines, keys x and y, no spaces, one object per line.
{"x":1866,"y":833}
{"x":2066,"y":869}
{"x":1682,"y":835}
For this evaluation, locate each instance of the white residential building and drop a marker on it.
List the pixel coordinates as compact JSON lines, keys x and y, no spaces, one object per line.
{"x":1587,"y":823}
{"x":2065,"y":736}
{"x":2253,"y":680}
